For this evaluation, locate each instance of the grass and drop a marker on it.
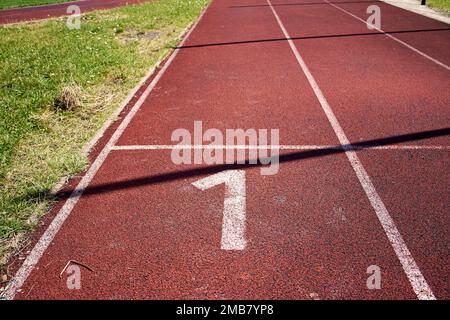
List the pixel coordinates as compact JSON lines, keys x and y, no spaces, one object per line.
{"x":58,"y":87}
{"x":440,"y":4}
{"x":4,"y":4}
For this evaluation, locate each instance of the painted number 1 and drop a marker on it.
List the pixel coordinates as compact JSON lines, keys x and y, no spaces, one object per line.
{"x":233,"y":223}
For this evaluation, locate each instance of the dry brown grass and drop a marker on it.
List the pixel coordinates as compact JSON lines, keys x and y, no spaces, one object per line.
{"x":69,"y":99}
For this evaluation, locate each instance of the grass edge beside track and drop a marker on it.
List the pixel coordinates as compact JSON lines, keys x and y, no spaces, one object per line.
{"x":50,"y":148}
{"x":443,"y":5}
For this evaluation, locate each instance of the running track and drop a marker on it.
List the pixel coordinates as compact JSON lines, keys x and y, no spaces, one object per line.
{"x":313,"y":70}
{"x":57,"y":10}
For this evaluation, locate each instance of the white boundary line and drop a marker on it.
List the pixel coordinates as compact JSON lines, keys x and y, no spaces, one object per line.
{"x":280,"y":147}
{"x":412,"y":271}
{"x":423,"y":54}
{"x":33,"y":258}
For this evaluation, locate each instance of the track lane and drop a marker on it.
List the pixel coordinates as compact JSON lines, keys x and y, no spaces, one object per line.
{"x":162,"y":241}
{"x":397,"y":91}
{"x":240,"y":83}
{"x":376,"y":80}
{"x":414,"y":29}
{"x":311,"y":229}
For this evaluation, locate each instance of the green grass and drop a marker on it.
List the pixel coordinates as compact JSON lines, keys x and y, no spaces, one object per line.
{"x":40,"y":144}
{"x":27,"y":3}
{"x":439,"y":4}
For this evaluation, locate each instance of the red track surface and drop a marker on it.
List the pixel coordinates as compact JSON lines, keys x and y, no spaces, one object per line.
{"x":57,"y":10}
{"x":311,"y":230}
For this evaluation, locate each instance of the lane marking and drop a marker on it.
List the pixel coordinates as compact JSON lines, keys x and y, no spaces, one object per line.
{"x":412,"y":271}
{"x":314,"y":296}
{"x":280,"y":147}
{"x":233,"y":223}
{"x":392,"y":37}
{"x":33,"y":258}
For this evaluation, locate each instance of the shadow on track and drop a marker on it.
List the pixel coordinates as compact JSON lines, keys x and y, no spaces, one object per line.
{"x":289,"y":157}
{"x":345,"y":35}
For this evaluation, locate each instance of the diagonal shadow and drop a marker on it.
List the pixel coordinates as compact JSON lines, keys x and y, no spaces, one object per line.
{"x":345,"y":35}
{"x":289,"y":157}
{"x":302,"y":4}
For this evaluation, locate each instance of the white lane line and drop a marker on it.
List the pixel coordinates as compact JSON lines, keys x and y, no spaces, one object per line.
{"x":280,"y":147}
{"x":423,"y":54}
{"x":33,"y":258}
{"x":412,"y":271}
